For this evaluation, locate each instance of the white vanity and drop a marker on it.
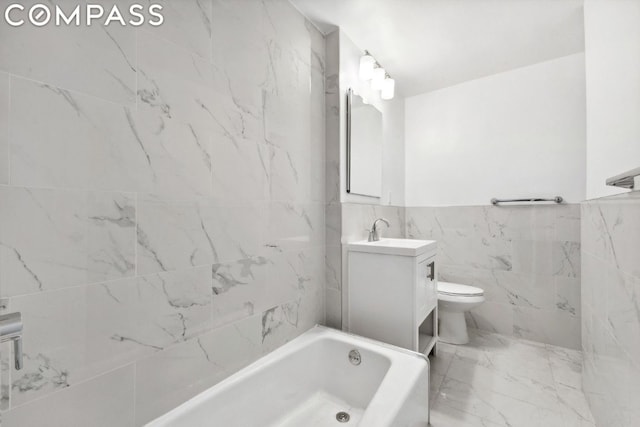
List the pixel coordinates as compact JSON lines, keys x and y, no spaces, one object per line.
{"x":393,"y":292}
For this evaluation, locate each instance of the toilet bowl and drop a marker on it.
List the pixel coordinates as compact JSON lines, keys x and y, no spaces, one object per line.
{"x":453,"y":301}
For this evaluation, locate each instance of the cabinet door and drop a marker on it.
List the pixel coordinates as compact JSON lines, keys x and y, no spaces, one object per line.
{"x":426,"y":287}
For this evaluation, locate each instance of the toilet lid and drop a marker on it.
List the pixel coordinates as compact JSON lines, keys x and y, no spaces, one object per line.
{"x":457,"y":289}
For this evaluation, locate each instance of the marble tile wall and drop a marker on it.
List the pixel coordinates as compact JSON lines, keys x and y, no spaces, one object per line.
{"x":333,"y":210}
{"x":611,"y":308}
{"x":162,"y":205}
{"x":526,"y":258}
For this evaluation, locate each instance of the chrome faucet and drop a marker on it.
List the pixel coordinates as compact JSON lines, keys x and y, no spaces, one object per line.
{"x":11,"y":330}
{"x":373,"y":233}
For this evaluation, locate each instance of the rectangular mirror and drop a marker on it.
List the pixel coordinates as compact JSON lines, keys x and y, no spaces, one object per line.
{"x":364,"y":147}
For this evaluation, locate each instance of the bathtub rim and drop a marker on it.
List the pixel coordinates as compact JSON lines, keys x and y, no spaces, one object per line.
{"x":316,"y":332}
{"x":372,"y":341}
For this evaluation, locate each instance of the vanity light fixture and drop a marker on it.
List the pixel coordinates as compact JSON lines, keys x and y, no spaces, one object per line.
{"x":378,"y":77}
{"x":367,"y":64}
{"x":371,"y":70}
{"x":388,"y":88}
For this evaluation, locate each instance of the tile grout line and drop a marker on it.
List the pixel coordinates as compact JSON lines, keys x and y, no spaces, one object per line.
{"x":39,"y":82}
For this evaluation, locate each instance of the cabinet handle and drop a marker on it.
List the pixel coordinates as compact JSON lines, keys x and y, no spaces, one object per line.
{"x":431,"y":274}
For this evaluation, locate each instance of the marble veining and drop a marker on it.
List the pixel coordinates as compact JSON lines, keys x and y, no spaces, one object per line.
{"x":203,"y":232}
{"x":237,"y":287}
{"x":225,"y":279}
{"x":54,"y":239}
{"x":204,"y":363}
{"x":276,"y":322}
{"x":48,"y":123}
{"x":98,"y":61}
{"x":95,"y":403}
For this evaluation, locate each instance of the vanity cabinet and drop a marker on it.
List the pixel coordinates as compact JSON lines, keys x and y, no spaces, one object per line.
{"x":392,"y":292}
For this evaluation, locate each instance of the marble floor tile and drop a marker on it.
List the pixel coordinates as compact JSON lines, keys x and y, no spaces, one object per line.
{"x":492,"y":377}
{"x":566,"y":366}
{"x":496,"y":407}
{"x":434,"y":386}
{"x":440,"y":364}
{"x":573,"y":406}
{"x":446,"y":416}
{"x":499,"y":380}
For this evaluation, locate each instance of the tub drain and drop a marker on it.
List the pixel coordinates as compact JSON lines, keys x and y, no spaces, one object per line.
{"x":343,"y":417}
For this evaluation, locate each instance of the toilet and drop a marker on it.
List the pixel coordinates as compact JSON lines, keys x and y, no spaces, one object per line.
{"x":453,"y":301}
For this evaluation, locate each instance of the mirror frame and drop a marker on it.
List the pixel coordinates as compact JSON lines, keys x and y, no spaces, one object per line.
{"x":349,"y":107}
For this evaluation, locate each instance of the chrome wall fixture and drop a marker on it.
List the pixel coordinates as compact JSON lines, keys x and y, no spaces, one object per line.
{"x":624,"y":180}
{"x":371,"y":70}
{"x":556,"y":199}
{"x":11,"y":330}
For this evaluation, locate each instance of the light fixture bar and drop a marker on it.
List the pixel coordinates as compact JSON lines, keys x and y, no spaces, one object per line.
{"x":371,"y":71}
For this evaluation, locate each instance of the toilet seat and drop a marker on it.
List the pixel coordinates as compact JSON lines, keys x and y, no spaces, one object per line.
{"x":458,"y":290}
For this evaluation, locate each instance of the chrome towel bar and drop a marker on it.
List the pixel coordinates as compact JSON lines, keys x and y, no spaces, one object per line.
{"x":624,"y":180}
{"x":556,"y":199}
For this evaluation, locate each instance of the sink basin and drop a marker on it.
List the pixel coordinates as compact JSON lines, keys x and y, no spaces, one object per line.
{"x":401,"y":247}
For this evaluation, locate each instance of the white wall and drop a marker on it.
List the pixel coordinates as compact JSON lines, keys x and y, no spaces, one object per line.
{"x":393,"y":190}
{"x":612,"y":48}
{"x":519,"y":133}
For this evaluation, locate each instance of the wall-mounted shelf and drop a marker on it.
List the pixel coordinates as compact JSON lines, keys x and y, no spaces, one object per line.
{"x":624,"y":180}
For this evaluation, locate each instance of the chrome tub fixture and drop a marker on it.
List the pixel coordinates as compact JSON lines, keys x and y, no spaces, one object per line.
{"x":11,"y":330}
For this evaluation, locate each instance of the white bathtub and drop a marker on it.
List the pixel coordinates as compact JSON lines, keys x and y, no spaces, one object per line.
{"x":309,"y":380}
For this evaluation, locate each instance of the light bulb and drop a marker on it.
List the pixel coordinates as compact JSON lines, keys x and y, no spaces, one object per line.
{"x":388,"y":88}
{"x":366,"y":67}
{"x":378,"y":77}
